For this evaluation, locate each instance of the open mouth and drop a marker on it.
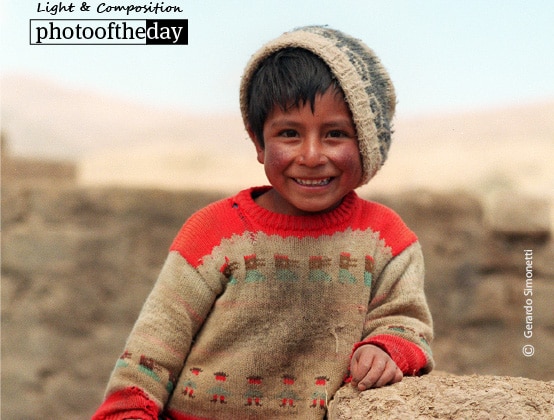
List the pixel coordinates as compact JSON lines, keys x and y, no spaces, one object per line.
{"x":313,"y":182}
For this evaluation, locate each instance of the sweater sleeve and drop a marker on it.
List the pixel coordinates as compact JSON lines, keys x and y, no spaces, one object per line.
{"x":146,"y":372}
{"x":398,"y":319}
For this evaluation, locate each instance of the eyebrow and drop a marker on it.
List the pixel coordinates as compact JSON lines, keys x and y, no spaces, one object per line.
{"x":339,"y":123}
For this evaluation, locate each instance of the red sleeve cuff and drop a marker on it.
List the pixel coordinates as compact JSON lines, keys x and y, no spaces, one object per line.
{"x":408,"y":356}
{"x":127,"y":403}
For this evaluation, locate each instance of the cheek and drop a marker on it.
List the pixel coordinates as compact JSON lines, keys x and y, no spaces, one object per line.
{"x":348,"y":158}
{"x":276,"y":158}
{"x":352,"y":160}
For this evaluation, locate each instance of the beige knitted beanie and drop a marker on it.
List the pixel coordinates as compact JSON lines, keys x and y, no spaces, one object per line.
{"x":366,"y":85}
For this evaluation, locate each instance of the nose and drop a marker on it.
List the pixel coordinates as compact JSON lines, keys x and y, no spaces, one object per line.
{"x":312,"y":152}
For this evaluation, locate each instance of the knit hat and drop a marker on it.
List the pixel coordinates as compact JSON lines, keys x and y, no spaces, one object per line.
{"x":367,"y":87}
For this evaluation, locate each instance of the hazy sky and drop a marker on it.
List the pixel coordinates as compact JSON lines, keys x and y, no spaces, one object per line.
{"x":442,"y":55}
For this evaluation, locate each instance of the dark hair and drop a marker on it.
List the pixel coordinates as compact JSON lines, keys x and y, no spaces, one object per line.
{"x":289,"y":78}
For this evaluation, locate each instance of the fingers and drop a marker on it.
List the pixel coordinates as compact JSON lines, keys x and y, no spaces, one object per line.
{"x":390,"y":375}
{"x":373,"y":369}
{"x":380,"y":373}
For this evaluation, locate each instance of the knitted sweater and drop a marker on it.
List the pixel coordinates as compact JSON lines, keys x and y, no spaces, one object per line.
{"x":256,"y":314}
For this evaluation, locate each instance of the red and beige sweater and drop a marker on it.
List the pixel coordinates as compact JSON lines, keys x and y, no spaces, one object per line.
{"x":256,"y":314}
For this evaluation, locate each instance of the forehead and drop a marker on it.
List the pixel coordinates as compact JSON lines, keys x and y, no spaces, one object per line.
{"x":330,"y":103}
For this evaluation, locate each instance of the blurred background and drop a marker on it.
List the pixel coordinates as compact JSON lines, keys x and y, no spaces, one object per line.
{"x":106,"y":150}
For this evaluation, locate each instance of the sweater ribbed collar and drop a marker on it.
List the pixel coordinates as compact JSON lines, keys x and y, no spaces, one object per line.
{"x":262,"y":219}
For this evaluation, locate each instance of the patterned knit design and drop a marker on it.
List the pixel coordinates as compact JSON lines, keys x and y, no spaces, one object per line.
{"x":366,"y":84}
{"x":260,"y":321}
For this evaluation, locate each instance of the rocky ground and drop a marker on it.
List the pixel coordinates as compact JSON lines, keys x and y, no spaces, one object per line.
{"x":445,"y":396}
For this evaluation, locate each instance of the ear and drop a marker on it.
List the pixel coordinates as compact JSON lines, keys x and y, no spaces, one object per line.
{"x":257,"y":144}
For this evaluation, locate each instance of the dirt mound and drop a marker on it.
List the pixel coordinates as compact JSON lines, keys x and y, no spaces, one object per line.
{"x":447,"y":396}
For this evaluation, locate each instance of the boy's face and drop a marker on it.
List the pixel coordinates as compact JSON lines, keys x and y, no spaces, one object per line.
{"x":310,"y":158}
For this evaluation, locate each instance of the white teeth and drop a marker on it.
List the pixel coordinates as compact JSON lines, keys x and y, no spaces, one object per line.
{"x":313,"y":182}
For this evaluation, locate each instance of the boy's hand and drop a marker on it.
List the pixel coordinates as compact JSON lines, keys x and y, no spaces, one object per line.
{"x":372,"y":367}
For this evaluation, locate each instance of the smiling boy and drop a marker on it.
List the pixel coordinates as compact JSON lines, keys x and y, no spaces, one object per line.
{"x":272,"y":299}
{"x":310,"y":158}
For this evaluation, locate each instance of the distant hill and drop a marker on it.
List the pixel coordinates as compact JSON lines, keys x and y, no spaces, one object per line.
{"x":43,"y":118}
{"x":117,"y":142}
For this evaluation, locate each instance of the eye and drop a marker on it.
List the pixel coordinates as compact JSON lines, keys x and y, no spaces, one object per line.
{"x":288,"y":133}
{"x":337,"y":133}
